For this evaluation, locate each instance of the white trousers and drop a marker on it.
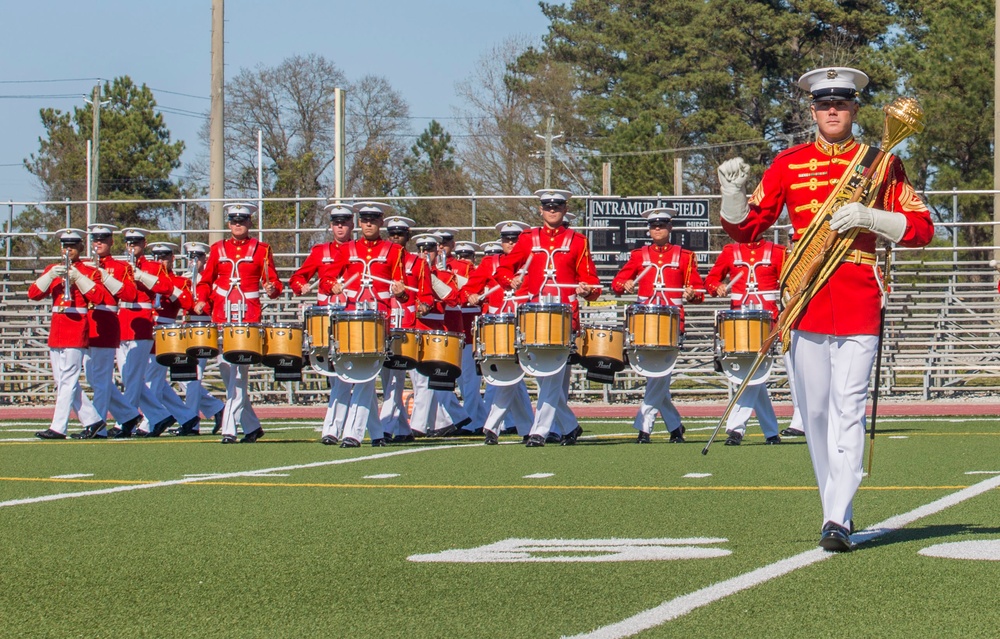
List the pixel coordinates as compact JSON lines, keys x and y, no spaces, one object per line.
{"x":362,"y":413}
{"x":831,"y":377}
{"x":796,"y":413}
{"x":133,"y":358}
{"x":67,"y":363}
{"x":753,"y":399}
{"x":552,"y":412}
{"x":470,"y":384}
{"x":657,"y":399}
{"x":433,"y":408}
{"x":336,"y":409}
{"x":160,"y":388}
{"x":238,"y":411}
{"x":393,"y":413}
{"x":99,"y":365}
{"x":509,"y":406}
{"x":197,"y":398}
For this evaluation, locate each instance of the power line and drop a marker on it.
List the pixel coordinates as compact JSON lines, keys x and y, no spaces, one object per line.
{"x":186,"y":95}
{"x":48,"y":81}
{"x":51,"y":96}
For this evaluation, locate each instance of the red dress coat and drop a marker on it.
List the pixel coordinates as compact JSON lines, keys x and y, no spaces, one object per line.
{"x":666,"y":271}
{"x":758,"y":266}
{"x":234,"y":275}
{"x":70,"y":327}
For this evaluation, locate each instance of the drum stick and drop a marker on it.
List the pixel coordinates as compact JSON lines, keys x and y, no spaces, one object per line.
{"x":385,"y":281}
{"x":739,"y":276}
{"x":493,"y":289}
{"x":644,"y":273}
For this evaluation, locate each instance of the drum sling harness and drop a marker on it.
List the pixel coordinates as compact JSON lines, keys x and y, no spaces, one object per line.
{"x":659,"y":295}
{"x":239,"y":308}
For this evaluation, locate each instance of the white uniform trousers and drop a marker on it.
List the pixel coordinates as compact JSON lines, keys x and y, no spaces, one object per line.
{"x":336,"y":409}
{"x":471,"y":384}
{"x":197,"y":398}
{"x":393,"y":415}
{"x":133,"y":358}
{"x":433,"y":409}
{"x":238,"y":411}
{"x":831,"y":377}
{"x":160,"y":388}
{"x":99,"y":365}
{"x":67,"y":363}
{"x":362,"y":413}
{"x":657,"y":399}
{"x":509,"y":406}
{"x":754,"y":399}
{"x":796,"y":413}
{"x":552,"y":412}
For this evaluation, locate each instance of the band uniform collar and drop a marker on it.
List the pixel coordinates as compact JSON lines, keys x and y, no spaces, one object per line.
{"x":834,"y":149}
{"x":236,"y":242}
{"x":553,"y":232}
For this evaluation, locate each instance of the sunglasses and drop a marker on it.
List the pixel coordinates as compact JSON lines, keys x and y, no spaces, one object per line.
{"x":242,"y":221}
{"x":659,"y":225}
{"x":398,"y":232}
{"x":553,"y":206}
{"x":340,"y":221}
{"x":509,"y":238}
{"x":100,"y":238}
{"x":369,"y":218}
{"x":162,"y":256}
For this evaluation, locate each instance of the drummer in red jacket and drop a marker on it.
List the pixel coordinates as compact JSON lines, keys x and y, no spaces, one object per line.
{"x":667,"y":275}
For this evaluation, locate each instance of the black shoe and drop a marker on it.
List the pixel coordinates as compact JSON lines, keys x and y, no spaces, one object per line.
{"x":114,"y":432}
{"x":643,"y":438}
{"x":252,"y":436}
{"x":792,"y":432}
{"x":772,"y":440}
{"x":90,"y":432}
{"x":162,"y":425}
{"x":553,"y":438}
{"x":490,"y":438}
{"x":442,"y":432}
{"x":378,"y":443}
{"x":570,"y":440}
{"x":48,"y":433}
{"x":524,"y":440}
{"x":218,"y":423}
{"x":735,"y":438}
{"x":128,"y":427}
{"x":535,"y":441}
{"x":835,"y":538}
{"x":140,"y":433}
{"x":350,"y":442}
{"x":677,"y":435}
{"x":403,"y":439}
{"x":509,"y":431}
{"x":190,"y":427}
{"x":328,"y":440}
{"x":228,"y":439}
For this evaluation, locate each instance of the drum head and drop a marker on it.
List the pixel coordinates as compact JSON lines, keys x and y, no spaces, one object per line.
{"x":542,"y":362}
{"x":736,"y":369}
{"x":320,"y":364}
{"x":358,"y":369}
{"x":652,"y":362}
{"x":501,"y":372}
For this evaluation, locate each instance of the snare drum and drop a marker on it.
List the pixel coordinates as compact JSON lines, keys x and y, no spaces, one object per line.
{"x":652,"y":327}
{"x":169,"y":345}
{"x":202,"y":339}
{"x":282,"y":345}
{"x":404,"y":345}
{"x":317,"y":326}
{"x":242,"y":343}
{"x":544,"y":325}
{"x":601,"y":350}
{"x":742,"y":332}
{"x":358,"y":333}
{"x":496,"y":337}
{"x":441,"y":357}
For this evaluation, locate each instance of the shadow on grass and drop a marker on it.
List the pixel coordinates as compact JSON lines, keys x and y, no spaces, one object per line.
{"x":925,"y":533}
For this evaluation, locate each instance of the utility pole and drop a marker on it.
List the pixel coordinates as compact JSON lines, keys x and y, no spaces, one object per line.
{"x":95,"y":144}
{"x":548,"y":137}
{"x":996,"y":136}
{"x":216,"y":130}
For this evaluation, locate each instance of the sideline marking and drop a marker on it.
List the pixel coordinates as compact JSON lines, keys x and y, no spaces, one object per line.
{"x":539,"y":476}
{"x":696,"y":475}
{"x":981,"y":550}
{"x":897,"y":437}
{"x":74,"y":476}
{"x":381,"y":476}
{"x":602,"y":550}
{"x":983,"y":472}
{"x":245,"y":473}
{"x":684,"y":604}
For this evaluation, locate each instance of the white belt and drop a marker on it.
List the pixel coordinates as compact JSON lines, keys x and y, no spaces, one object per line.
{"x":69,"y":309}
{"x":471,"y":309}
{"x":166,"y":320}
{"x":322,"y":297}
{"x":433,"y":317}
{"x":136,"y":306}
{"x":250,"y":295}
{"x":453,"y":309}
{"x":106,"y":307}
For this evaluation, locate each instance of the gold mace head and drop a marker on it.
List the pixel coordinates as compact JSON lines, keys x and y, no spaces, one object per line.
{"x":904,"y":117}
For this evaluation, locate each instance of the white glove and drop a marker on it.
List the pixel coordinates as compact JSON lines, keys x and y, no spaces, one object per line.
{"x":889,"y":225}
{"x":146,"y":279}
{"x":44,"y":281}
{"x":83,"y":283}
{"x":111,"y":282}
{"x":732,"y":185}
{"x":75,"y":275}
{"x":440,"y":288}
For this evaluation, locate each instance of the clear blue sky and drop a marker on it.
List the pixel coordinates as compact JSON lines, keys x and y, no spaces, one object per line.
{"x":423,"y":47}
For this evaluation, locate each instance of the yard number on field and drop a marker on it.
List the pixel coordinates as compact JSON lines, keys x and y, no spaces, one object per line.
{"x":582,"y":550}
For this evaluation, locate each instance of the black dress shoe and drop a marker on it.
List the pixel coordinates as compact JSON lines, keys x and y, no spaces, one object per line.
{"x":524,"y":440}
{"x":552,"y":438}
{"x":228,"y":439}
{"x":161,"y":426}
{"x":643,"y":438}
{"x":772,"y":440}
{"x":570,"y":440}
{"x":328,"y":440}
{"x":677,"y":435}
{"x":350,"y":442}
{"x":735,"y":438}
{"x":490,"y":438}
{"x":252,"y":436}
{"x":403,"y":439}
{"x":218,"y":423}
{"x":835,"y":538}
{"x":378,"y":443}
{"x":128,"y":427}
{"x":792,"y":432}
{"x":114,"y":432}
{"x":190,"y":427}
{"x":535,"y":441}
{"x":48,"y":433}
{"x":90,"y":432}
{"x":442,"y":432}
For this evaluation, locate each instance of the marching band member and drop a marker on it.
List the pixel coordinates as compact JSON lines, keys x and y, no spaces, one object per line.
{"x":460,"y":263}
{"x":393,"y":416}
{"x":560,"y":268}
{"x":105,"y":337}
{"x":236,"y":271}
{"x":753,"y":269}
{"x":323,"y":262}
{"x":665,"y":274}
{"x":436,"y":413}
{"x":72,"y":285}
{"x":834,"y":341}
{"x":509,"y":406}
{"x":196,"y":397}
{"x":166,"y":309}
{"x":136,"y":318}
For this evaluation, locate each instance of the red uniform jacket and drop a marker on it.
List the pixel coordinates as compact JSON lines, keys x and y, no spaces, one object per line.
{"x":233,"y":278}
{"x":136,"y":317}
{"x":416,"y":274}
{"x":801,"y":179}
{"x":437,"y":318}
{"x":363,"y":261}
{"x":666,"y":271}
{"x":484,"y":279}
{"x":105,"y":328}
{"x":560,"y":259}
{"x":70,"y":325}
{"x":758,"y":266}
{"x":326,"y":262}
{"x":166,"y":308}
{"x":462,"y":311}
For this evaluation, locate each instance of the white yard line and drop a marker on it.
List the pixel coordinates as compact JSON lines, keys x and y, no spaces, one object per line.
{"x":681,"y":606}
{"x":245,"y":473}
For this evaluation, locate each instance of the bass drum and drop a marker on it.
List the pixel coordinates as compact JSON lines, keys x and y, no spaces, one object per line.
{"x":601,"y":350}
